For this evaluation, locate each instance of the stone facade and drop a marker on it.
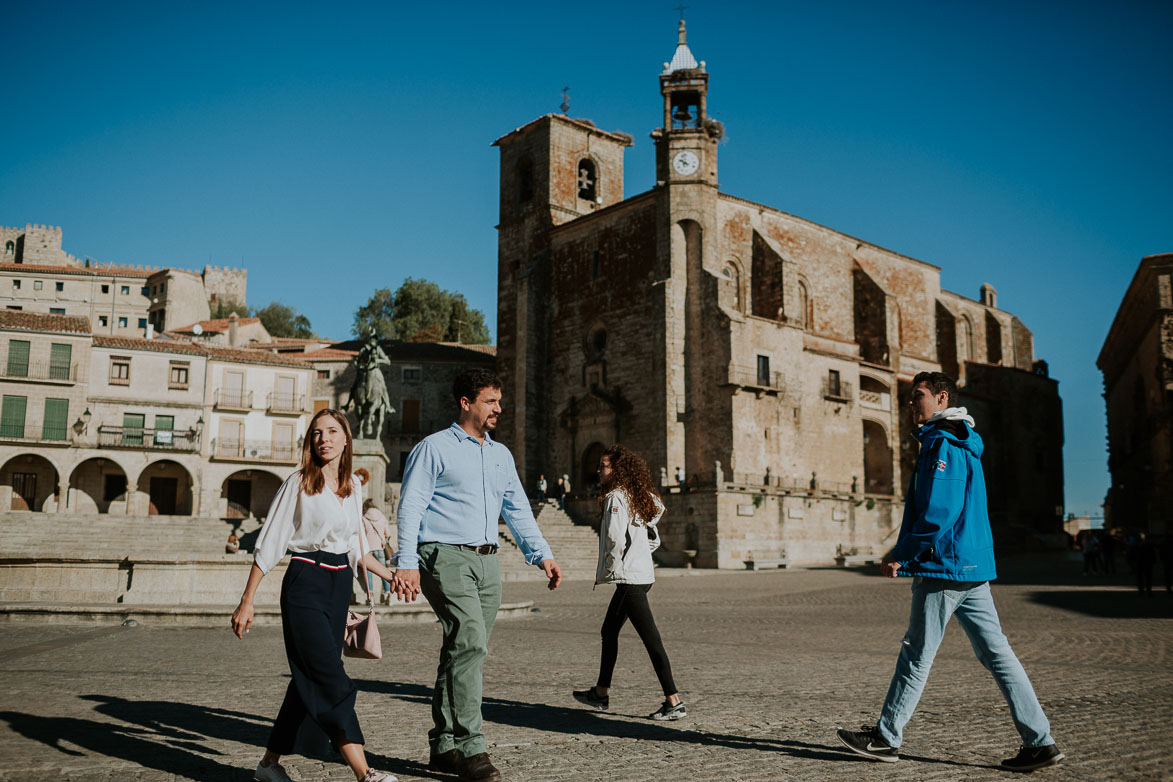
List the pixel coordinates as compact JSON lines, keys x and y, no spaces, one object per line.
{"x":762,"y":354}
{"x":1137,"y":362}
{"x":130,"y":426}
{"x":36,"y":275}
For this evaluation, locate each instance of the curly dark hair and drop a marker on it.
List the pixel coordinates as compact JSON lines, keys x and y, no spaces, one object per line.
{"x":630,"y":474}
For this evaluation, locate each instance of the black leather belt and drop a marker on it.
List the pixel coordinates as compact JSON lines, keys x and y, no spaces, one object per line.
{"x":484,"y":550}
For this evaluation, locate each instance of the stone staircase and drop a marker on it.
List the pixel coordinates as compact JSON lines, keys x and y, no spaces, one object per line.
{"x":575,"y":547}
{"x":101,"y":535}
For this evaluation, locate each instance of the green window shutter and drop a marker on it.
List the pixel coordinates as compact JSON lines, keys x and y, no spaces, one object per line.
{"x":60,"y":358}
{"x":12,"y":416}
{"x":164,"y":424}
{"x":132,"y":428}
{"x":56,"y":422}
{"x":18,"y":358}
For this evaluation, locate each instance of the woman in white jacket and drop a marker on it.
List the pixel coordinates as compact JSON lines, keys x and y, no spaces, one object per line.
{"x":627,"y":538}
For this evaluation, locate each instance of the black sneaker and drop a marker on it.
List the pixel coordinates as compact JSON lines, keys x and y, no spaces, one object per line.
{"x":1030,"y":758}
{"x":867,"y":742}
{"x":590,"y":698}
{"x":445,"y":762}
{"x":669,"y":712}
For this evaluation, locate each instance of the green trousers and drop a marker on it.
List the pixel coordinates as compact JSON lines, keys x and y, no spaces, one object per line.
{"x":464,"y":589}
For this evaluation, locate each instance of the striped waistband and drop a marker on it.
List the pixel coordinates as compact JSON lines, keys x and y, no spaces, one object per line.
{"x":324,"y":559}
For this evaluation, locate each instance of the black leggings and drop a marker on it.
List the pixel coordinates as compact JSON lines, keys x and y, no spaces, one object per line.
{"x":630,"y":601}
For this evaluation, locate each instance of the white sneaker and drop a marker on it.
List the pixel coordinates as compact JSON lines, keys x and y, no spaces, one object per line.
{"x":378,"y":776}
{"x":273,"y":773}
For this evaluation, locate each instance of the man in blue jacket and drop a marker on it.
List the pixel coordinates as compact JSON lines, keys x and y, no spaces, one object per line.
{"x":945,"y":544}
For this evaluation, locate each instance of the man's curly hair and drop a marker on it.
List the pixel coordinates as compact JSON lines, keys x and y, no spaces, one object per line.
{"x":630,"y":475}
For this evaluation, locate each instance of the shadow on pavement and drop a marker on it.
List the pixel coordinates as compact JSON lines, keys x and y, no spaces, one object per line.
{"x":144,"y":747}
{"x":1108,"y":603}
{"x":573,"y":721}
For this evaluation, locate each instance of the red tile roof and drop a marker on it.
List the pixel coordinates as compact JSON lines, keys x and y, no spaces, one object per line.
{"x":247,"y":356}
{"x":141,"y":343}
{"x":326,"y":354}
{"x":219,"y":325}
{"x":39,"y":321}
{"x":81,"y":271}
{"x":212,"y":352}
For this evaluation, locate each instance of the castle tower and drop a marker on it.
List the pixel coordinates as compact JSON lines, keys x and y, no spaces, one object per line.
{"x":686,"y":174}
{"x":554,"y":169}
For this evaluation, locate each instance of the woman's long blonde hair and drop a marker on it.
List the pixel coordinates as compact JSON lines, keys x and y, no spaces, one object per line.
{"x":312,"y":479}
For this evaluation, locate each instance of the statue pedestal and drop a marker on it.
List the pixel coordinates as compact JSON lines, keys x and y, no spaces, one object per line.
{"x":370,"y":455}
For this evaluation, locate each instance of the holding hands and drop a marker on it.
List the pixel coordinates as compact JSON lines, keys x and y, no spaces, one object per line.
{"x":406,"y":584}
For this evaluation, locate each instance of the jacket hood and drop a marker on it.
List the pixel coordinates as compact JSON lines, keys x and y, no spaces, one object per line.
{"x":956,"y":425}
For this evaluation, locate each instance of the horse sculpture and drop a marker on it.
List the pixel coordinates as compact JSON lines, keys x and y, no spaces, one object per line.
{"x":368,"y":395}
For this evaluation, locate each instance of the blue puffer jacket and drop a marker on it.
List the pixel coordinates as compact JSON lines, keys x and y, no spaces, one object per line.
{"x":946,"y":528}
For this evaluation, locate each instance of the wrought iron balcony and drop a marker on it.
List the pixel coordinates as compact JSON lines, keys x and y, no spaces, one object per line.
{"x":143,"y":439}
{"x":748,"y":377}
{"x":839,"y":391}
{"x":233,"y":400}
{"x":285,"y":403}
{"x":255,"y":451}
{"x":56,"y":434}
{"x":39,"y":370}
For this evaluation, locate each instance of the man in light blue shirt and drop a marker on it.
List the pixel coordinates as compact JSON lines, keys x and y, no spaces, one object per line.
{"x":456,"y":485}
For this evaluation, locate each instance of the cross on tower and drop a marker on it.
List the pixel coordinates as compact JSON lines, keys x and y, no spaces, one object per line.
{"x":681,"y":9}
{"x":565,"y":100}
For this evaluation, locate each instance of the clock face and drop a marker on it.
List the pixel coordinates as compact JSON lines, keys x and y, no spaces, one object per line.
{"x":686,"y":162}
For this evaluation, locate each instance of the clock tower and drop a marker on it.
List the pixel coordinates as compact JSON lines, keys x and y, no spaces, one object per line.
{"x":686,"y":144}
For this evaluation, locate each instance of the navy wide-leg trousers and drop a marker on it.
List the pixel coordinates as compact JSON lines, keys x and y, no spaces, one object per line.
{"x":315,"y":597}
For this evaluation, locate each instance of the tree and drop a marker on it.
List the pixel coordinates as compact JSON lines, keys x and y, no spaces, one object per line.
{"x":281,"y":320}
{"x":420,"y":311}
{"x":378,"y":314}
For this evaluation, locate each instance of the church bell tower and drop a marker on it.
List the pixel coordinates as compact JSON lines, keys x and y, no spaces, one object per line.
{"x":686,"y":144}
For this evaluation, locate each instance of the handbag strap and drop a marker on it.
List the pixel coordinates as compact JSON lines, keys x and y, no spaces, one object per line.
{"x":362,"y":560}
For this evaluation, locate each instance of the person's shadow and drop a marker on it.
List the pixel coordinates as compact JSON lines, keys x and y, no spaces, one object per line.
{"x":570,"y":720}
{"x":141,"y":746}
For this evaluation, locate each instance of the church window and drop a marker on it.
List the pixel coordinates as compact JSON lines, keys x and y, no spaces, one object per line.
{"x":802,"y":311}
{"x":587,"y":179}
{"x":596,"y":343}
{"x":732,"y":273}
{"x":686,"y":110}
{"x":525,"y":181}
{"x":766,"y":277}
{"x":10,"y":248}
{"x":964,"y":339}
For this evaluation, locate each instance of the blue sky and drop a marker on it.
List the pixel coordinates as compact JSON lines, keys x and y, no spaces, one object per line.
{"x":333,"y":149}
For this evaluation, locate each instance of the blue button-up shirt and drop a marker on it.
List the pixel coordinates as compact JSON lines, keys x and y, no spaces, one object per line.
{"x":454,"y":491}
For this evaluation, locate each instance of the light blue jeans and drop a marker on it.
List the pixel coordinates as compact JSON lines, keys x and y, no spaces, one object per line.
{"x":934,"y":600}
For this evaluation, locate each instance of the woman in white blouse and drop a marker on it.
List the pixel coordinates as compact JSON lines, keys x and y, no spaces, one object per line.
{"x":316,"y":516}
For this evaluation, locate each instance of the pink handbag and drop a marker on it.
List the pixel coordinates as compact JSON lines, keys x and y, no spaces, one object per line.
{"x":361,"y":638}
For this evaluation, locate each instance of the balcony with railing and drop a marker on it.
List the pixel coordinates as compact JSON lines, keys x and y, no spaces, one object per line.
{"x":254,"y":451}
{"x":279,"y":403}
{"x":837,"y":390}
{"x":749,"y":377}
{"x":875,"y":400}
{"x":40,"y":371}
{"x":229,"y":399}
{"x":143,"y":439}
{"x":48,"y":434}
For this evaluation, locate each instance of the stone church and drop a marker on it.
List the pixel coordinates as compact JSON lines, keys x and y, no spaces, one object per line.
{"x":761,"y":355}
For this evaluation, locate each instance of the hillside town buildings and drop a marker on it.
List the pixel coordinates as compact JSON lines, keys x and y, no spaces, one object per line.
{"x":1137,"y":363}
{"x":762,"y":356}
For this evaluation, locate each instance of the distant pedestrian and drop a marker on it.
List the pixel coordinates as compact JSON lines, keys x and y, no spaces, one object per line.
{"x":378,"y":531}
{"x":1091,"y":552}
{"x":233,"y":544}
{"x":541,"y":488}
{"x":627,"y":538}
{"x":946,"y":545}
{"x":565,"y":481}
{"x":679,"y":476}
{"x":1145,"y":557}
{"x":316,"y":516}
{"x":1108,"y":552}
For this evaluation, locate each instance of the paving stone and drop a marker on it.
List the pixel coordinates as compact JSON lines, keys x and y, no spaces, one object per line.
{"x":768,"y":663}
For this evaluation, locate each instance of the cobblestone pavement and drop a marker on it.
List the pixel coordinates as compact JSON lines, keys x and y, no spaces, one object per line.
{"x":769,"y":664}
